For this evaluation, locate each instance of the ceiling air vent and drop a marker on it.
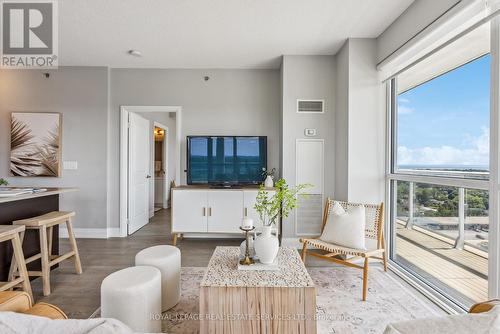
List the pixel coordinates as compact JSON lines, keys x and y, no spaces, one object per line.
{"x":311,"y":106}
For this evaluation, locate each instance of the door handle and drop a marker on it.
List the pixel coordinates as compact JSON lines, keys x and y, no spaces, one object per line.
{"x":210,"y":212}
{"x":148,"y":176}
{"x":246,"y":212}
{"x":204,"y":211}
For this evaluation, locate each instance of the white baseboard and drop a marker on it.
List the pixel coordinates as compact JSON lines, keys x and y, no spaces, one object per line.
{"x":114,"y":232}
{"x":92,"y":233}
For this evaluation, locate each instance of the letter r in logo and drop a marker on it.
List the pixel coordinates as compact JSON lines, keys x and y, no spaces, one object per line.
{"x":27,"y":28}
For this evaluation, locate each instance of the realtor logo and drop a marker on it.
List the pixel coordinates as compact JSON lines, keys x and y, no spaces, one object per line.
{"x":29,"y":34}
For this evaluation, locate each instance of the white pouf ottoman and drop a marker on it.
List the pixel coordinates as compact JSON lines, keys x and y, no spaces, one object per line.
{"x":133,"y":296}
{"x":168,"y":260}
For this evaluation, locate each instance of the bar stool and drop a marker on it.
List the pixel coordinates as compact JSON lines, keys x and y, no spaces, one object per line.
{"x":14,"y":234}
{"x":44,"y":224}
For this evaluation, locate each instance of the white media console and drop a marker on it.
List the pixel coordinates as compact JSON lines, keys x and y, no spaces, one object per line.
{"x":203,"y":211}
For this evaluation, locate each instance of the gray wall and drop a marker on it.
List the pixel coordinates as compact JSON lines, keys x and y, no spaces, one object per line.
{"x":307,"y":77}
{"x":80,"y":94}
{"x":232,"y":102}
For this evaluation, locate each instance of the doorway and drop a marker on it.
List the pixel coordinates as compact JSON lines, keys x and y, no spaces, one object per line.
{"x":143,"y":173}
{"x":160,"y":159}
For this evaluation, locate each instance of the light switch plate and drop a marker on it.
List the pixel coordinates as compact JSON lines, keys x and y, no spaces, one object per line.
{"x":310,"y":132}
{"x":70,"y":165}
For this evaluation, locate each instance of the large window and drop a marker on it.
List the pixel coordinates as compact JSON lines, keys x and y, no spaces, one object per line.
{"x":439,"y":170}
{"x":443,"y":124}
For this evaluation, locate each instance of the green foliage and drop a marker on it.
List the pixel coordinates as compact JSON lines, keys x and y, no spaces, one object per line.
{"x":3,"y":182}
{"x":271,"y":208}
{"x":440,"y":201}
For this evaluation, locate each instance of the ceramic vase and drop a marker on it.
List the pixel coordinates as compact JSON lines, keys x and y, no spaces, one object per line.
{"x":266,"y":246}
{"x":268,"y":182}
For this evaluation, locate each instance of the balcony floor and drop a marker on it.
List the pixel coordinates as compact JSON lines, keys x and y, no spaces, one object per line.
{"x":460,"y":273}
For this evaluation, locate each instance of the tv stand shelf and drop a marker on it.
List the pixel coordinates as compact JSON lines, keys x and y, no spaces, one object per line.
{"x":201,"y":211}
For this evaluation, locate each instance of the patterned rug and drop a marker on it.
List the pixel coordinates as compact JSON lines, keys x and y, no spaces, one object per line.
{"x":339,"y":306}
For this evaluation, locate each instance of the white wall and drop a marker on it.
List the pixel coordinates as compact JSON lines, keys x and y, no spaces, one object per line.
{"x":417,"y":17}
{"x":80,"y":95}
{"x":367,"y":115}
{"x":307,"y":77}
{"x":359,"y":124}
{"x":342,"y":123}
{"x":232,"y":102}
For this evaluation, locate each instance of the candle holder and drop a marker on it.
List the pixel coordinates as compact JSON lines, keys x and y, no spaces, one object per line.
{"x":247,"y":260}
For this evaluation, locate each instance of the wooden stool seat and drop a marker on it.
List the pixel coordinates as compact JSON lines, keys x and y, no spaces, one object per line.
{"x":9,"y":230}
{"x":51,"y":218}
{"x":14,"y":234}
{"x":44,"y":224}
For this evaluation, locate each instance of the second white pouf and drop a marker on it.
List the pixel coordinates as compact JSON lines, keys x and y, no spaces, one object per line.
{"x":168,"y":260}
{"x":133,"y":296}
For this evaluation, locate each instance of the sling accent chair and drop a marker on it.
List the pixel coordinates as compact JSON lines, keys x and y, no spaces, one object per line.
{"x":374,"y":239}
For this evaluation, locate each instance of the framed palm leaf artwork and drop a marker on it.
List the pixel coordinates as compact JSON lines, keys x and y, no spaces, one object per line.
{"x":35,"y":144}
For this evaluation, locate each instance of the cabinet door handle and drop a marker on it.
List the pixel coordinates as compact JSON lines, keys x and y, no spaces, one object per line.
{"x":246,"y":212}
{"x":210,"y":212}
{"x":204,"y":211}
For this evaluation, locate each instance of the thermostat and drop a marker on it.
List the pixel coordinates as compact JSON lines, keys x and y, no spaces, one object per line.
{"x":310,"y":132}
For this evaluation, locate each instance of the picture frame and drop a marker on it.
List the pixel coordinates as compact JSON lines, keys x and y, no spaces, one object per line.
{"x":36,"y":144}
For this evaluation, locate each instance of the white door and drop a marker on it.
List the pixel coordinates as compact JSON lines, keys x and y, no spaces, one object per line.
{"x":250,"y":197}
{"x":189,"y":211}
{"x":139,"y":172}
{"x":225,"y":211}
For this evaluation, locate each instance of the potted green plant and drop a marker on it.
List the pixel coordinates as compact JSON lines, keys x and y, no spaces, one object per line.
{"x":3,"y":182}
{"x":270,"y":210}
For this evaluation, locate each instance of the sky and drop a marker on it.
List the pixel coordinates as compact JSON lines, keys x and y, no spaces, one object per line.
{"x":445,"y":121}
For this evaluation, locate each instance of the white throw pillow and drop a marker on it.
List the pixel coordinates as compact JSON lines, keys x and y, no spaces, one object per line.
{"x":345,"y":228}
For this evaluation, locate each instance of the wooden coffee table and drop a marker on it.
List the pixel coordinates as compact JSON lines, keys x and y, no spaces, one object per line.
{"x":247,"y":301}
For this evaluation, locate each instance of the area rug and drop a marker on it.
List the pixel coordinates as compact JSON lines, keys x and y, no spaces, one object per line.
{"x":339,"y":306}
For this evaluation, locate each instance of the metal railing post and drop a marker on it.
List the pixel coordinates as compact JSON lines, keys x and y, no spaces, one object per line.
{"x":459,"y":242}
{"x":411,"y":202}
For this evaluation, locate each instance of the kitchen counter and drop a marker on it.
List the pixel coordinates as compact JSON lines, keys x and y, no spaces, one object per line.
{"x":48,"y":192}
{"x":27,"y":206}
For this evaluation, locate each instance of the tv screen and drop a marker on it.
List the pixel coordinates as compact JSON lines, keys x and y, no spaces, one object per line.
{"x":226,"y":159}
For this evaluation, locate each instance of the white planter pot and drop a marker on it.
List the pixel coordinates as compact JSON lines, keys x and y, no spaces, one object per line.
{"x":266,"y":246}
{"x":269,"y":183}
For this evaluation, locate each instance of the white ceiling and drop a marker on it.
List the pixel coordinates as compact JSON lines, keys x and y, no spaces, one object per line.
{"x":214,"y":33}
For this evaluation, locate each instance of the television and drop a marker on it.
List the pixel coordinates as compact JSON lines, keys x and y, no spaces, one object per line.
{"x":226,"y":160}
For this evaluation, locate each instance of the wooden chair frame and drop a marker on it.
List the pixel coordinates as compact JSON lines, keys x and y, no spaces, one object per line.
{"x":330,"y":252}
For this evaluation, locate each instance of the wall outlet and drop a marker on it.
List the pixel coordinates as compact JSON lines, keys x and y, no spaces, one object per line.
{"x":310,"y":132}
{"x":70,"y":165}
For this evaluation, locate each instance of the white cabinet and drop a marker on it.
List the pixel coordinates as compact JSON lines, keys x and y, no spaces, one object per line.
{"x":189,"y":212}
{"x":212,"y":210}
{"x":225,"y":211}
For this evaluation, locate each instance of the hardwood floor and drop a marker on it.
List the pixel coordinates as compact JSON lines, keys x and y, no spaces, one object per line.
{"x":79,"y":295}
